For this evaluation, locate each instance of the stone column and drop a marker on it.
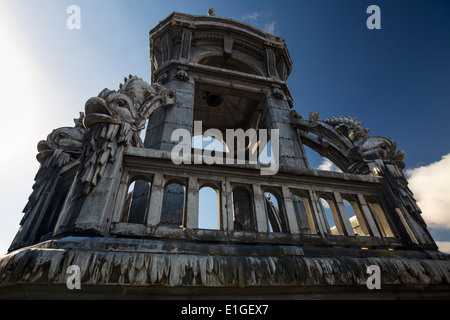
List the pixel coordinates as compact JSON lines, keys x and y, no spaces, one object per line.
{"x":291,"y":153}
{"x":228,"y":206}
{"x":181,"y":116}
{"x":191,"y":221}
{"x":346,"y":226}
{"x":290,"y":211}
{"x":156,"y":200}
{"x":318,"y":213}
{"x":119,"y":207}
{"x":223,"y":206}
{"x":260,"y":209}
{"x":368,"y":217}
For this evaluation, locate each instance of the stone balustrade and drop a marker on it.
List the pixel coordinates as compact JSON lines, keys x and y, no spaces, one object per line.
{"x":247,"y":220}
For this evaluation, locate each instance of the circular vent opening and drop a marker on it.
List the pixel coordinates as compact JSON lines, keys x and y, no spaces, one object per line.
{"x":214,"y":100}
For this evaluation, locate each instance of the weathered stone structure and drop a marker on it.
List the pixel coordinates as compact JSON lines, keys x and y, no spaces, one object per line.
{"x":120,"y":209}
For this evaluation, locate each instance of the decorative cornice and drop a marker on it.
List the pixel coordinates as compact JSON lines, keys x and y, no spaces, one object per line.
{"x":131,"y":268}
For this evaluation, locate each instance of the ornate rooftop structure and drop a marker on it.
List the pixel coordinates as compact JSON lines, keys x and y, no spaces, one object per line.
{"x":121,"y":210}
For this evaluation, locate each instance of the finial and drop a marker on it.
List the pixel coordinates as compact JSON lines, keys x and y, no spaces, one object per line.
{"x":212,"y":12}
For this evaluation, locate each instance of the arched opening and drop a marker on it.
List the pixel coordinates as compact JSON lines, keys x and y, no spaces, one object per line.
{"x":221,"y":113}
{"x":248,"y":149}
{"x":243,"y":217}
{"x":355,"y":215}
{"x":380,"y":218}
{"x":136,"y":204}
{"x":331,"y":214}
{"x":223,"y":62}
{"x":173,"y":206}
{"x":354,"y":220}
{"x":303,"y":213}
{"x":276,"y":219}
{"x":209,"y":209}
{"x":143,"y":132}
{"x":318,"y":162}
{"x":272,"y":212}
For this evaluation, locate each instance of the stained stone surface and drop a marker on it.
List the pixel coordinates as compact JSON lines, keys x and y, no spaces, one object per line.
{"x":148,"y":264}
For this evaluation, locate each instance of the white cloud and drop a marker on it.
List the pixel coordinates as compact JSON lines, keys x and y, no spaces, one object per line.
{"x":327,"y":165}
{"x":260,"y":20}
{"x":270,"y":27}
{"x":324,"y":203}
{"x":444,"y":246}
{"x":251,"y":17}
{"x":430,"y":185}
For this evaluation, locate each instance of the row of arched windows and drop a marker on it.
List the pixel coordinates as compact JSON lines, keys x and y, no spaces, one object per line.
{"x":358,"y":223}
{"x":173,"y":209}
{"x":173,"y":206}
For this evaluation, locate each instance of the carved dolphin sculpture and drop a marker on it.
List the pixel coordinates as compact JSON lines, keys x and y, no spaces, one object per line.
{"x":115,"y":118}
{"x":62,"y":145}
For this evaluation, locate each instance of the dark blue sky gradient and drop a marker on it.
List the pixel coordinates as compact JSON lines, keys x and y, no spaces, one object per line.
{"x":396,"y":80}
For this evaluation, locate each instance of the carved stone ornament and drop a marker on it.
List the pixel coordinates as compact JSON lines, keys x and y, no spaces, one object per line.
{"x":63,"y":146}
{"x":115,"y":118}
{"x":182,"y":75}
{"x":212,"y":12}
{"x":278,"y":93}
{"x":162,"y":79}
{"x":347,"y":143}
{"x":290,"y":102}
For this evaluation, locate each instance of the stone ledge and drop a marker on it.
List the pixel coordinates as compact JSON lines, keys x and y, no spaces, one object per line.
{"x":112,"y":266}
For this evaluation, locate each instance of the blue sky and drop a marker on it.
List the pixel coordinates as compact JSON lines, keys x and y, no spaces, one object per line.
{"x":396,"y":80}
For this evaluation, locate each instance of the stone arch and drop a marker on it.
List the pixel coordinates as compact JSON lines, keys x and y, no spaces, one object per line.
{"x":243,"y":211}
{"x":210,"y":184}
{"x":218,"y":60}
{"x":330,"y":212}
{"x":303,"y":212}
{"x":275,"y":210}
{"x":174,"y":203}
{"x":356,"y":218}
{"x":209,"y":203}
{"x":136,"y":203}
